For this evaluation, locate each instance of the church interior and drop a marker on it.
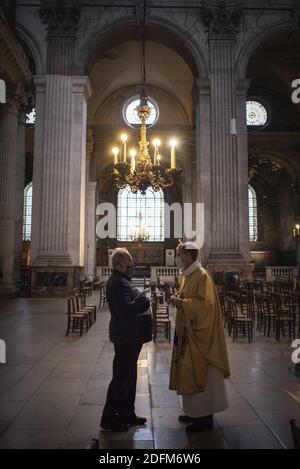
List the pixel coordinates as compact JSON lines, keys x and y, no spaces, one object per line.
{"x":84,"y":172}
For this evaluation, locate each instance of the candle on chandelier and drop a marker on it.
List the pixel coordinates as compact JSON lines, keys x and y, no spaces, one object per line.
{"x":124,"y":142}
{"x":297,"y":230}
{"x":132,"y":163}
{"x":156,"y":144}
{"x":294,"y":233}
{"x":158,"y":159}
{"x":115,"y":152}
{"x":173,"y":143}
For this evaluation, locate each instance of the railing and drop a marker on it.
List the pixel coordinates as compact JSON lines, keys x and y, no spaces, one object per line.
{"x":103,"y":272}
{"x":166,"y":274}
{"x":281,"y":273}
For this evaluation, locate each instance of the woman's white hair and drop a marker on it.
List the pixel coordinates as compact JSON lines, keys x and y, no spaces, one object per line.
{"x":119,"y":255}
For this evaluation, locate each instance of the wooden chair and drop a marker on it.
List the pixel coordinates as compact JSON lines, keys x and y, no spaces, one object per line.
{"x":285,"y":318}
{"x":85,"y":287}
{"x":92,"y":308}
{"x":80,"y":303}
{"x":161,"y":320}
{"x":76,"y":319}
{"x":102,"y":295}
{"x":239,"y":322}
{"x":295,"y":433}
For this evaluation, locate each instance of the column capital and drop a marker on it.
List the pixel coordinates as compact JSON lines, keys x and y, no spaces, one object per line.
{"x":222,"y":20}
{"x":19,"y":98}
{"x":40,"y":82}
{"x":82,"y":85}
{"x":61,"y":17}
{"x":202,"y":85}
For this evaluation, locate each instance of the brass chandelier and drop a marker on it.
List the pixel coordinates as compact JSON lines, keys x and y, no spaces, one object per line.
{"x":141,"y":233}
{"x":141,"y":173}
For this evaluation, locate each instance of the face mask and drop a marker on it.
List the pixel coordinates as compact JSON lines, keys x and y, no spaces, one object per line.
{"x":179,"y":262}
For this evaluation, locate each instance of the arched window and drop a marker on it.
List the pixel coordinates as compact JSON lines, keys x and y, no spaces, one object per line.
{"x":252,"y":202}
{"x":131,"y":207}
{"x":27,"y":212}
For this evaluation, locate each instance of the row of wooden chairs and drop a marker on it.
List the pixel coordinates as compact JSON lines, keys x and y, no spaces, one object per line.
{"x":271,"y":312}
{"x":80,"y":314}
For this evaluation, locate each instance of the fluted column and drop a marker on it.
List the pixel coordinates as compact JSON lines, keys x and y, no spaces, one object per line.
{"x":8,"y":194}
{"x":241,"y":88}
{"x":20,"y":181}
{"x":224,"y":161}
{"x":228,"y":145}
{"x":203,"y":163}
{"x":60,"y":170}
{"x":91,"y":229}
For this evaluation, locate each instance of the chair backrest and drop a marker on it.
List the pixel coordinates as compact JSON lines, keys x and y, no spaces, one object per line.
{"x":77,"y":302}
{"x":73,"y":304}
{"x":232,"y":309}
{"x":296,"y":433}
{"x":161,"y":312}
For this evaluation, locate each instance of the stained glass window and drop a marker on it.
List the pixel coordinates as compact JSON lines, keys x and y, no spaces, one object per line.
{"x":27,"y":212}
{"x":256,"y":113}
{"x":252,"y":202}
{"x":131,"y":116}
{"x":132,"y":206}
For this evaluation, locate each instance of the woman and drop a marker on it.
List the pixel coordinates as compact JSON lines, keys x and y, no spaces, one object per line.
{"x":199,"y":359}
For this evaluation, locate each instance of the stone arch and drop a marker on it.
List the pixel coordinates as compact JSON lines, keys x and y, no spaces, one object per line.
{"x":278,"y":158}
{"x":158,"y":30}
{"x":136,"y":89}
{"x":254,"y":41}
{"x":34,"y":49}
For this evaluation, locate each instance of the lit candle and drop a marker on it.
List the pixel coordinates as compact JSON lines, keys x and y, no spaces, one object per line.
{"x":132,"y":163}
{"x":298,"y":230}
{"x":115,"y":152}
{"x":156,"y":144}
{"x":294,"y":233}
{"x":158,"y":159}
{"x":124,"y":141}
{"x":173,"y":144}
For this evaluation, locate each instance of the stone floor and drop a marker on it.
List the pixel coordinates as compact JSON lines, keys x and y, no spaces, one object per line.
{"x":53,"y":388}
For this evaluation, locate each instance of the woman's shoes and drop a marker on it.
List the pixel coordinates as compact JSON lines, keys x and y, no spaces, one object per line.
{"x":201,"y":424}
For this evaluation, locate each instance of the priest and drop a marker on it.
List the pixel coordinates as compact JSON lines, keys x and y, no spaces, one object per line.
{"x":199,"y":359}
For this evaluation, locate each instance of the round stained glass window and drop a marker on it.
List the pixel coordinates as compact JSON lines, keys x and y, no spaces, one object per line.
{"x":130,"y":114}
{"x":256,"y":113}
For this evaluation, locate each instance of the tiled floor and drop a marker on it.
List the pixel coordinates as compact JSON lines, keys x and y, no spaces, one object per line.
{"x":53,"y":388}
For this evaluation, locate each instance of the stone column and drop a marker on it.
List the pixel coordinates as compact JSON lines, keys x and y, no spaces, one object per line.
{"x":12,"y":174}
{"x":59,"y":179}
{"x":20,"y":181}
{"x":241,"y":87}
{"x":203,"y":162}
{"x":91,"y":229}
{"x":60,"y":170}
{"x":228,"y":176}
{"x":8,"y":165}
